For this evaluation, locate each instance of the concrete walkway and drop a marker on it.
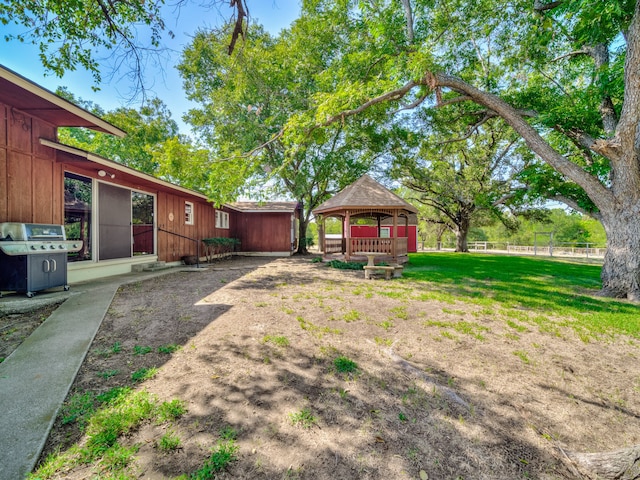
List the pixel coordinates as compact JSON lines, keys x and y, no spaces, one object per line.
{"x":36,"y":377}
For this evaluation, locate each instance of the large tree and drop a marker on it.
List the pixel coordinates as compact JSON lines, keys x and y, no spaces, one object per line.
{"x":465,"y":177}
{"x":246,"y":99}
{"x":550,"y":70}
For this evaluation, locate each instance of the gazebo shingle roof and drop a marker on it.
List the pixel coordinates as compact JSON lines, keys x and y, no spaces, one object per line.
{"x":364,"y":193}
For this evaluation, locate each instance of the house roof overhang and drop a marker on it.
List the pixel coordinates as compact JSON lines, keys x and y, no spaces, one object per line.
{"x":27,"y":97}
{"x":143,"y":179}
{"x":263,"y":207}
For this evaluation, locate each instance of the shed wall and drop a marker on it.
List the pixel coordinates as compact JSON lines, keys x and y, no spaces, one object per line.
{"x":263,"y":232}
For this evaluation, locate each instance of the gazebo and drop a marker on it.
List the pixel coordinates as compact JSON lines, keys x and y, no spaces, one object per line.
{"x":365,"y":198}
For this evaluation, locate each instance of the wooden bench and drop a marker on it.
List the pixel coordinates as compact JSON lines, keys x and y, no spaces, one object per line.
{"x":389,"y":271}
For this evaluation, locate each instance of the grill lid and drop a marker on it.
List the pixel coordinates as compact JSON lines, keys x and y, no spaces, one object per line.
{"x":24,"y":232}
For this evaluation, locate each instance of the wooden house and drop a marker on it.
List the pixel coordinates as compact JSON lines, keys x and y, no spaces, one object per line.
{"x":123,"y":217}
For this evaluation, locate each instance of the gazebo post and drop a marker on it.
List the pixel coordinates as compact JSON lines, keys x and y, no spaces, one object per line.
{"x":321,"y":239}
{"x":347,"y":228}
{"x":395,"y":236}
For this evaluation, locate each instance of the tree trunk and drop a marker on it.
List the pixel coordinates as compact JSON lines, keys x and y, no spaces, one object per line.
{"x":302,"y":231}
{"x":621,"y":268}
{"x":462,"y":232}
{"x":618,"y":465}
{"x":461,"y":240}
{"x":439,"y":233}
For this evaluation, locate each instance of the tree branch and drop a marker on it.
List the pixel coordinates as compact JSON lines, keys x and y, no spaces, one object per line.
{"x":386,"y":97}
{"x":569,"y":202}
{"x":239,"y":27}
{"x":539,"y":6}
{"x":582,"y":51}
{"x":592,"y":186}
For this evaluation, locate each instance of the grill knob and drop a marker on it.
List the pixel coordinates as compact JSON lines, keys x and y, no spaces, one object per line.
{"x":52,"y":247}
{"x":61,"y":247}
{"x":33,"y":247}
{"x":43,"y":247}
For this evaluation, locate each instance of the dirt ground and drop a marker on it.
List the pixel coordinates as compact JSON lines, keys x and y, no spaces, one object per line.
{"x":15,"y":327}
{"x":523,"y":391}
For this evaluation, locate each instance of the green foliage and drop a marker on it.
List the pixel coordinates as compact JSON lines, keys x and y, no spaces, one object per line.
{"x":144,"y":374}
{"x":345,"y":265}
{"x":303,"y":418}
{"x":279,"y":340}
{"x":122,"y":415}
{"x":344,"y":364}
{"x":244,"y":102}
{"x":148,"y":128}
{"x":570,"y":229}
{"x":169,"y":411}
{"x":108,"y":417}
{"x":78,"y":407}
{"x":460,"y":183}
{"x":169,"y":442}
{"x":169,"y":348}
{"x":221,"y":244}
{"x":140,"y":350}
{"x":222,"y":455}
{"x":108,"y":373}
{"x":81,"y":29}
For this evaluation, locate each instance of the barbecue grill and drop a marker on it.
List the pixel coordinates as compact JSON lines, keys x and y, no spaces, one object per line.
{"x":33,"y":257}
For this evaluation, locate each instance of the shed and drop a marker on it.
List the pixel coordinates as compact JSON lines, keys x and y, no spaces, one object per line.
{"x":266,"y":228}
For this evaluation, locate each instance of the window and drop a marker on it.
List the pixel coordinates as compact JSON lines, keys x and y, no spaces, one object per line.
{"x":385,"y":232}
{"x":222,"y":219}
{"x":188,"y":213}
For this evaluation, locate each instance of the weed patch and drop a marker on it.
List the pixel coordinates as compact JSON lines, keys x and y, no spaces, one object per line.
{"x":303,"y":418}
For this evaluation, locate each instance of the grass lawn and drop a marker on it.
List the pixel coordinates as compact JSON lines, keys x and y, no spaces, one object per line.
{"x":549,"y":288}
{"x":470,"y":366}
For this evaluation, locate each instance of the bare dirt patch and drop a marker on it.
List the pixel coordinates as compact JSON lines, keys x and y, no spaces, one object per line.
{"x":528,"y":389}
{"x":16,"y":327}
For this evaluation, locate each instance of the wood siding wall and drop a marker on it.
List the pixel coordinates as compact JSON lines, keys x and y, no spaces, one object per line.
{"x":30,"y":179}
{"x":171,"y":244}
{"x":32,"y":186}
{"x":263,"y":232}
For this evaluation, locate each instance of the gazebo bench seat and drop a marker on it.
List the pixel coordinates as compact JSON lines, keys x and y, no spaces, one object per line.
{"x":389,"y":271}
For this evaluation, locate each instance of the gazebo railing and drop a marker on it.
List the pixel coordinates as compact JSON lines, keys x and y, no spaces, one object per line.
{"x":333,"y":245}
{"x":401,"y":246}
{"x":386,"y":246}
{"x":383,"y":246}
{"x":371,"y":244}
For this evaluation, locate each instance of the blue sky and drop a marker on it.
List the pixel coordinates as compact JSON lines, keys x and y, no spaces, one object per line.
{"x":165,"y":82}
